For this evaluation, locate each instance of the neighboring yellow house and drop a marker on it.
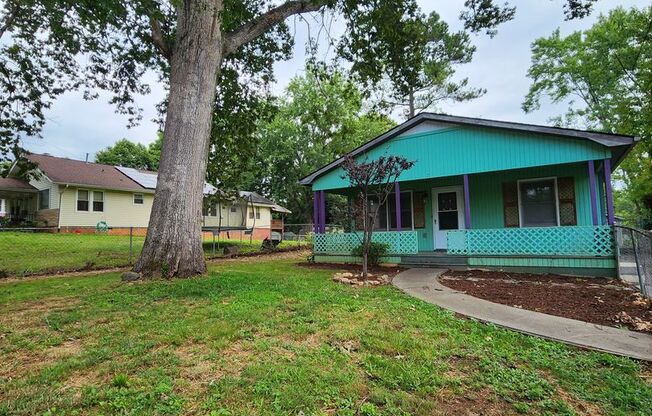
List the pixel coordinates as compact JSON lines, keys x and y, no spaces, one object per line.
{"x":77,"y":196}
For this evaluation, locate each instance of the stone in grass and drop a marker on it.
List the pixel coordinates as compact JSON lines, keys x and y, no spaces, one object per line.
{"x":130,"y":276}
{"x":231,"y":251}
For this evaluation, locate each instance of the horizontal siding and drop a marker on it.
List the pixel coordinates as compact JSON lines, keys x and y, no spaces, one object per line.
{"x":43,"y":183}
{"x":456,"y":151}
{"x":119,"y":210}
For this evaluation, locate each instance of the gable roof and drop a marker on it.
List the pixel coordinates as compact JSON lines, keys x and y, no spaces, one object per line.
{"x":75,"y":172}
{"x":15,"y":184}
{"x":258,"y":199}
{"x":619,"y":144}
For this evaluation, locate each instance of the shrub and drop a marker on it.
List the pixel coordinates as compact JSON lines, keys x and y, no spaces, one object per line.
{"x":376,"y":251}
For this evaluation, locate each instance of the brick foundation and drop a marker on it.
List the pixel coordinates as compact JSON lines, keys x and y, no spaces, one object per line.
{"x":47,"y":217}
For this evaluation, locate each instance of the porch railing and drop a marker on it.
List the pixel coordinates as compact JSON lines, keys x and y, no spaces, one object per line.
{"x":399,"y":242}
{"x":554,"y":241}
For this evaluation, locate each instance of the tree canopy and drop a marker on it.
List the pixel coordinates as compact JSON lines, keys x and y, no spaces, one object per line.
{"x":132,"y":155}
{"x":320,"y":117}
{"x":605,"y":76}
{"x":429,"y":78}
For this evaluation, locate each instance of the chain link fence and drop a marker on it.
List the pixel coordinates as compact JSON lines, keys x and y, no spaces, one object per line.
{"x":33,"y":251}
{"x":634,"y":255}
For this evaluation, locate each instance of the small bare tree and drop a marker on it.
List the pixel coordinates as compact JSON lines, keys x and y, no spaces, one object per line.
{"x":373,"y":179}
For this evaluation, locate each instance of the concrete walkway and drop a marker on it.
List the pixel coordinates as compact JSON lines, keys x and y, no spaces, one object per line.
{"x":423,"y":284}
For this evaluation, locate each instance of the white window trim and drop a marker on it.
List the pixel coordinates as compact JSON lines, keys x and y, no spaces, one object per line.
{"x":90,"y":203}
{"x":133,"y":199}
{"x":520,"y":206}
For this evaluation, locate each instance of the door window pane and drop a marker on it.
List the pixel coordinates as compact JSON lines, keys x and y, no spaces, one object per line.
{"x":538,"y":205}
{"x":448,"y":220}
{"x":447,"y":214}
{"x":447,"y":201}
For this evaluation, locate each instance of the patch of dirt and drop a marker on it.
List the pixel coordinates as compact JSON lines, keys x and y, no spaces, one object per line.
{"x":21,"y":362}
{"x":284,"y":254}
{"x":595,"y":300}
{"x":355,"y":269}
{"x":474,"y":403}
{"x":195,"y":366}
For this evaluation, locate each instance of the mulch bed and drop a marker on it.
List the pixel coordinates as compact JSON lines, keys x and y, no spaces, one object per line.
{"x":595,"y":300}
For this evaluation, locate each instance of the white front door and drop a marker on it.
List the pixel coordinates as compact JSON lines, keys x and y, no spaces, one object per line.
{"x":448,"y":213}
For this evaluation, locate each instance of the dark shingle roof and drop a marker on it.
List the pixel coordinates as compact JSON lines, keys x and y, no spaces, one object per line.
{"x":15,"y":184}
{"x":76,"y":172}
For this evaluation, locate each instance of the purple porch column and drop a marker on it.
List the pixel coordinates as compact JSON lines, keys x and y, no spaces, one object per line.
{"x":397,"y":195}
{"x":322,"y":211}
{"x":315,"y":212}
{"x":594,"y":200}
{"x":608,"y":192}
{"x":467,"y":202}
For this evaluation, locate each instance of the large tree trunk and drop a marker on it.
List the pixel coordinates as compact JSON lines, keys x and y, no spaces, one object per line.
{"x":173,"y":246}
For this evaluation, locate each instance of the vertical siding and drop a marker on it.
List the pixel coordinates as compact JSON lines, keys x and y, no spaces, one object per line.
{"x":456,"y":151}
{"x":487,"y":198}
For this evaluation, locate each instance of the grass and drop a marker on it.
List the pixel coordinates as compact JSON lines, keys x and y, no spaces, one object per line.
{"x":274,"y":338}
{"x":32,"y":253}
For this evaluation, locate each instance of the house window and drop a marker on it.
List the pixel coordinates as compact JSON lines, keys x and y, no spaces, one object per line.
{"x":98,"y":201}
{"x":406,"y":210}
{"x":251,"y":214}
{"x":213,"y":210}
{"x":139,"y":199}
{"x":257,"y":213}
{"x":538,"y":203}
{"x":233,"y":209}
{"x":385,"y":214}
{"x":82,"y":200}
{"x":44,"y":199}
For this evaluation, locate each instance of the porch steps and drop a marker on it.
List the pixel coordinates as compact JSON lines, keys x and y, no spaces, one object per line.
{"x":433,"y":260}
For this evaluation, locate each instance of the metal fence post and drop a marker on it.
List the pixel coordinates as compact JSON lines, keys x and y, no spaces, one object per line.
{"x":131,"y":245}
{"x":641,"y":282}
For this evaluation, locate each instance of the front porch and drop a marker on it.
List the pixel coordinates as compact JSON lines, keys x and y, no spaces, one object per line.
{"x":545,"y":219}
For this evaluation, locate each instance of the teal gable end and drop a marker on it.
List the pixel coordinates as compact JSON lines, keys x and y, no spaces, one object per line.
{"x":468,"y":150}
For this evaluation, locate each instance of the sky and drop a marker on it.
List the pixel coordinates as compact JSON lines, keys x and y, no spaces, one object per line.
{"x":76,"y":127}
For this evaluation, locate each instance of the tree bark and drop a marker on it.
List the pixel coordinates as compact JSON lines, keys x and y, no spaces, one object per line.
{"x":173,"y":246}
{"x":411,"y":109}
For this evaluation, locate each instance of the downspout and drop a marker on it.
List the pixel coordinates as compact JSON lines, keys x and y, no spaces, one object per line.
{"x":59,"y":214}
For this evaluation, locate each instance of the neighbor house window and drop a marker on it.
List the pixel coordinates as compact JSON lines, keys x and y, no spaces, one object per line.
{"x":139,"y":199}
{"x":538,"y":203}
{"x":233,"y":208}
{"x":251,"y":214}
{"x":44,"y":199}
{"x":257,"y":213}
{"x":82,"y":200}
{"x":98,"y":201}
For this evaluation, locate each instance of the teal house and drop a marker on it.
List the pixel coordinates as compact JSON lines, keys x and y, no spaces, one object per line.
{"x":487,"y":194}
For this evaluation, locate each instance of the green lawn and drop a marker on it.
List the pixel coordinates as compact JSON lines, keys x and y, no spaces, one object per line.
{"x":32,"y":253}
{"x":275,"y":338}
